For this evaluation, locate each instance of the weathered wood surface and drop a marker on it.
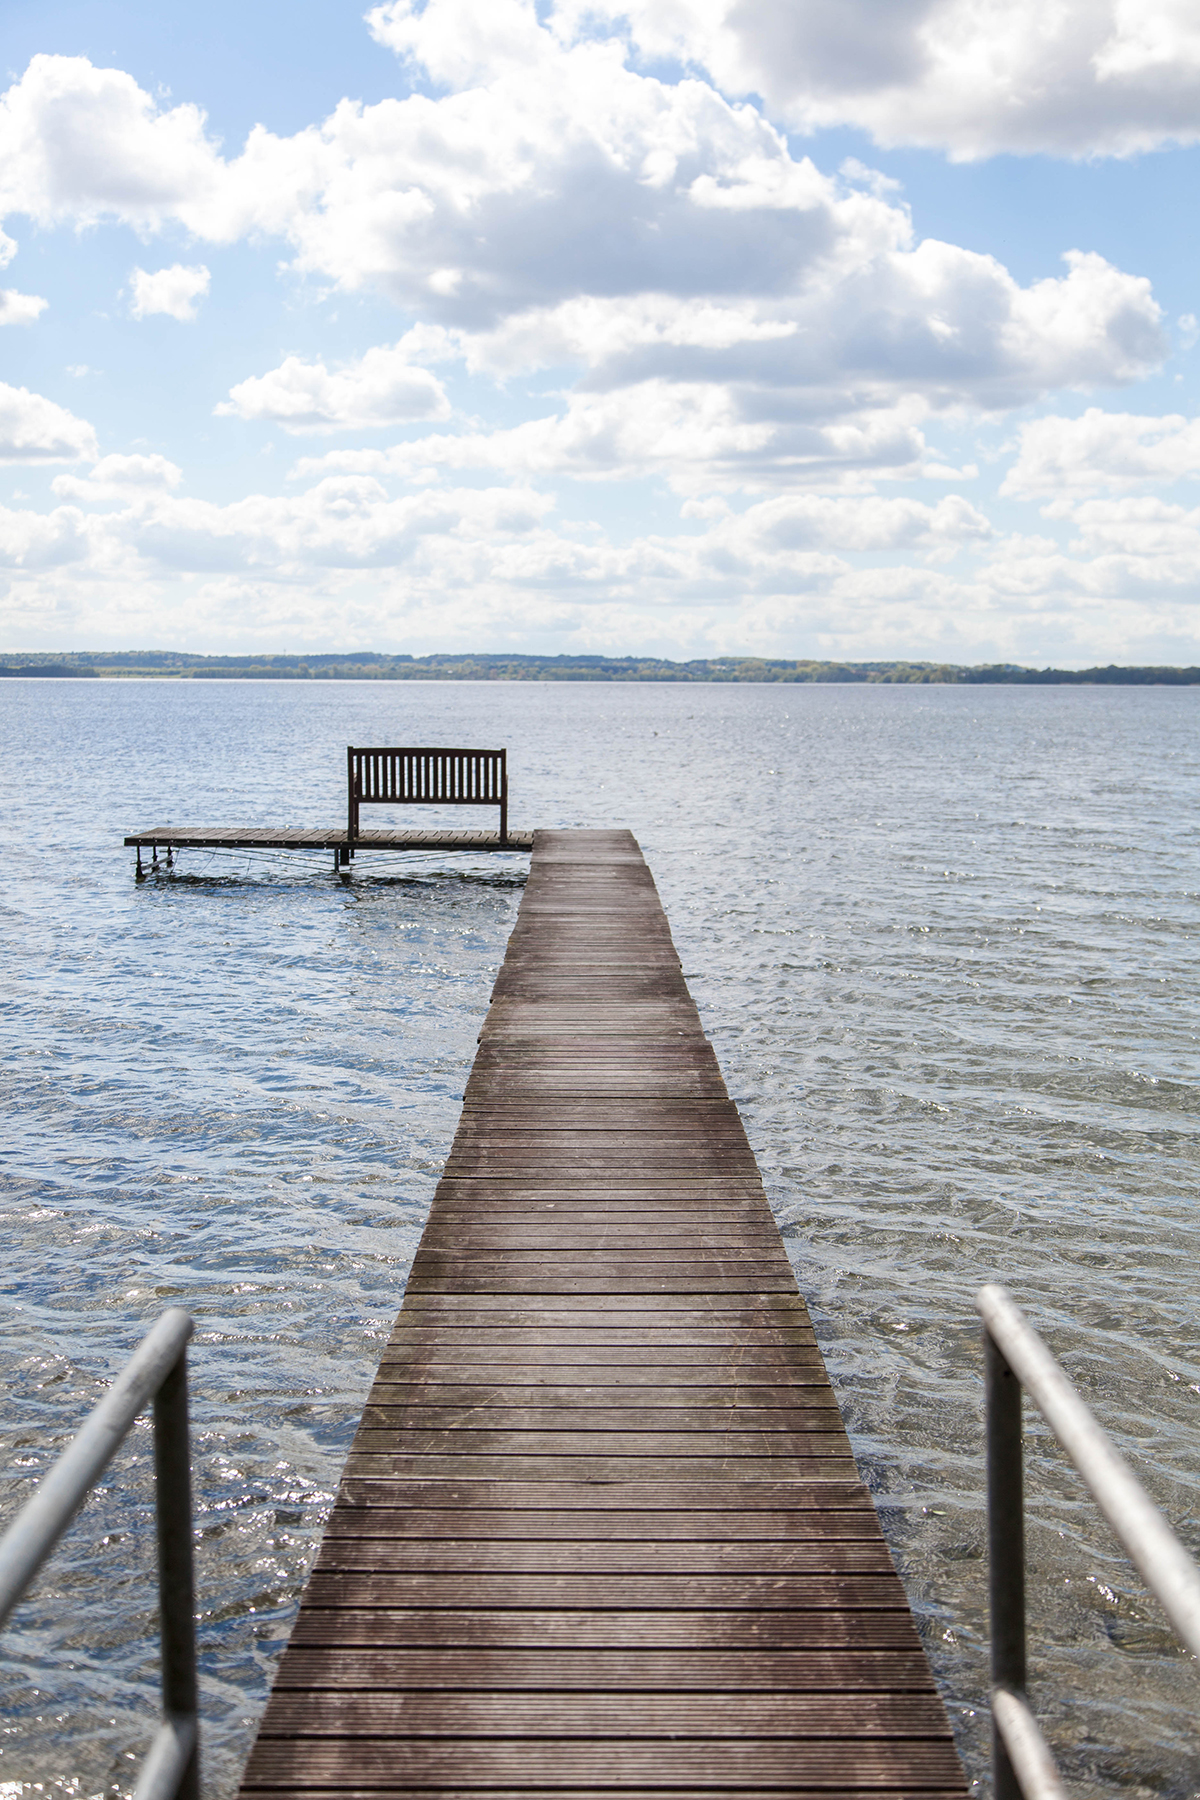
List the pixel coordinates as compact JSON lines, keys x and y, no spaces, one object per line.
{"x":600,"y":1531}
{"x":304,"y":837}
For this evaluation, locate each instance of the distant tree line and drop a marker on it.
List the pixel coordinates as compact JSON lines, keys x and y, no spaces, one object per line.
{"x":376,"y":666}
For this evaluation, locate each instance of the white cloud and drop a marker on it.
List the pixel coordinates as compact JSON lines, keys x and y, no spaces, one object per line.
{"x":120,"y":478}
{"x":381,"y":388}
{"x":483,"y":567}
{"x":35,"y":541}
{"x":869,"y":523}
{"x":1102,"y":450}
{"x":568,"y":182}
{"x":461,"y":43}
{"x":588,"y":180}
{"x":351,"y":522}
{"x":833,"y":384}
{"x":695,"y":436}
{"x":19,"y":309}
{"x":1153,"y":540}
{"x":79,"y":145}
{"x":973,"y":77}
{"x":830,"y":386}
{"x":708,"y":311}
{"x":174,"y":291}
{"x":1097,"y":326}
{"x":36,"y":430}
{"x":768,"y":321}
{"x":346,"y":522}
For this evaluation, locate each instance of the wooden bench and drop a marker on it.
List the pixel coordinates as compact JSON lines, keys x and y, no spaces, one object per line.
{"x":425,"y":777}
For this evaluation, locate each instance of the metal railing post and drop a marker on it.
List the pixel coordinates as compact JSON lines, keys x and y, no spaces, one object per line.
{"x":1006,"y":1547}
{"x":157,"y":1369}
{"x":1016,"y":1359}
{"x":176,"y":1585}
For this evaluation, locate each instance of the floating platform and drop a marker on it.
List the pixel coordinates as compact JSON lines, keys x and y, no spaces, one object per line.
{"x":303,"y":837}
{"x":600,"y":1531}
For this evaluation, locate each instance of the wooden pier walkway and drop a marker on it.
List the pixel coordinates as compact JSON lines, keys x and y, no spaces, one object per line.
{"x":600,"y":1531}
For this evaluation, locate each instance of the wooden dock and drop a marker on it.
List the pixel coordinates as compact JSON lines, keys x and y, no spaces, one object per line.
{"x":305,"y":837}
{"x":600,"y":1531}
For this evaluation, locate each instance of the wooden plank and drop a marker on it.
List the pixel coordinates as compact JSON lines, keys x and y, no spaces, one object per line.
{"x":597,"y":1283}
{"x":747,"y":1402}
{"x":751,"y":1265}
{"x":389,"y":1791}
{"x":825,"y":1437}
{"x":662,"y":1242}
{"x":606,"y":1592}
{"x":515,"y":1715}
{"x":827,"y":1628}
{"x":600,"y":1529}
{"x":741,"y":1499}
{"x":613,"y":1763}
{"x":711,"y":1537}
{"x":612,"y":1365}
{"x":302,"y":837}
{"x":580,"y":1409}
{"x":401,"y":1465}
{"x":783,"y":1309}
{"x":605,"y":1671}
{"x":608,"y":1340}
{"x":733,"y":1212}
{"x":821,"y":1556}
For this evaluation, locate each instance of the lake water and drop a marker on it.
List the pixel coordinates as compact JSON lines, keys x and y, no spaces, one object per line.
{"x":945,"y":942}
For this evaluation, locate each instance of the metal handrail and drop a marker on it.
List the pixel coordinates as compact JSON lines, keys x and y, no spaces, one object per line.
{"x":1015,"y":1359}
{"x":157,"y":1370}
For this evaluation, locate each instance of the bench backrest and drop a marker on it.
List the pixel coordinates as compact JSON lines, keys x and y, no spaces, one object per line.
{"x":409,"y":776}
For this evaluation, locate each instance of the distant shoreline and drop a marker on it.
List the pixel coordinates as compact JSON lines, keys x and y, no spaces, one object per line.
{"x":374,"y":666}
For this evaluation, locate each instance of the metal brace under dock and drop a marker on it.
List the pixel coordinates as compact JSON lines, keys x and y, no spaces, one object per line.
{"x":601,"y":1531}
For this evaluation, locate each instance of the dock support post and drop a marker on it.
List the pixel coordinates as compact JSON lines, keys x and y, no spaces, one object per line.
{"x":139,"y":873}
{"x":176,"y":1586}
{"x":1006,"y":1547}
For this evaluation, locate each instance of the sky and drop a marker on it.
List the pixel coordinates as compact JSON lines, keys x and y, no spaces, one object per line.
{"x":806,"y":328}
